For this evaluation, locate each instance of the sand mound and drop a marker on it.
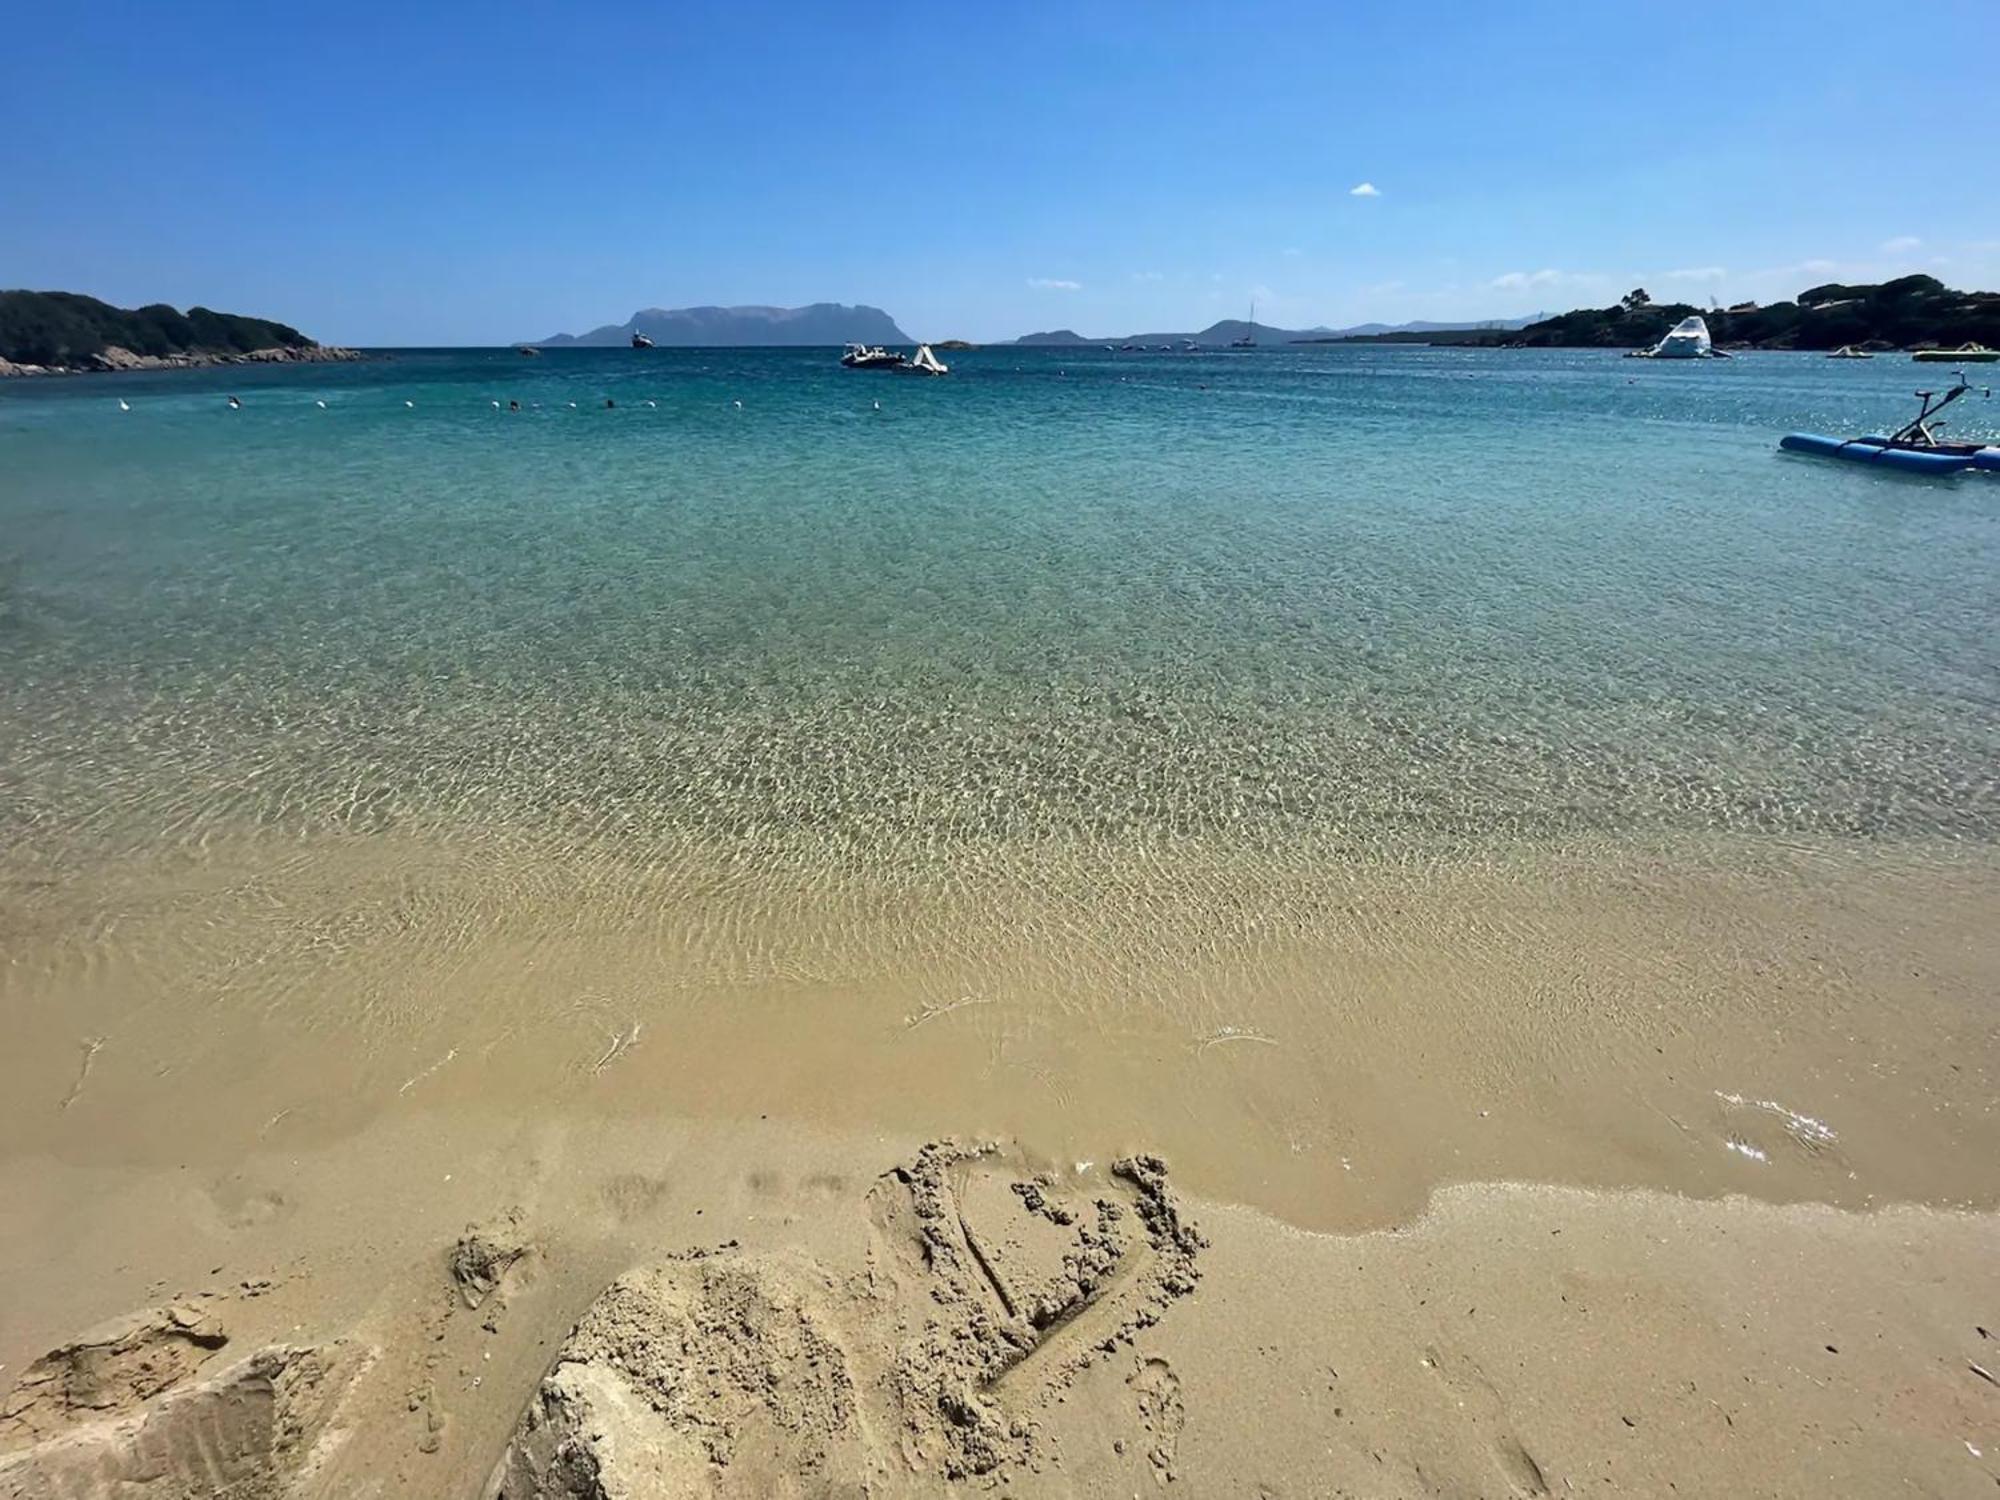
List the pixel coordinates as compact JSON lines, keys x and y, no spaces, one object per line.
{"x":253,"y":1431}
{"x":109,"y":1370}
{"x":988,"y":1285}
{"x":706,"y":1374}
{"x":489,"y":1260}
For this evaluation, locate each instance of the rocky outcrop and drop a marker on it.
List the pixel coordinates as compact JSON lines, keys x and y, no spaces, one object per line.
{"x":112,"y":360}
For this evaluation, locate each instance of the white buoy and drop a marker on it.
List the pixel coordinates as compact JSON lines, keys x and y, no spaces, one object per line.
{"x":496,"y":406}
{"x":124,"y":405}
{"x":739,"y":406}
{"x":652,"y":403}
{"x":411,"y":405}
{"x":572,"y":406}
{"x":234,"y":404}
{"x":320,"y":404}
{"x":878,"y":406}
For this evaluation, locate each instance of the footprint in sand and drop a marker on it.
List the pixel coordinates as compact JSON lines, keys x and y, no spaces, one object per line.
{"x":1481,"y":1399}
{"x":632,"y":1195}
{"x":234,"y":1205}
{"x":1162,"y":1411}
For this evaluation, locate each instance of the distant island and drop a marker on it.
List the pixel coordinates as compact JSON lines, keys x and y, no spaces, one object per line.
{"x":1229,"y":330}
{"x":1911,"y":312}
{"x":733,"y":327}
{"x":67,"y":333}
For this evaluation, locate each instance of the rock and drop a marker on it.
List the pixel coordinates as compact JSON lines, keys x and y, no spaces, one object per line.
{"x":111,"y":357}
{"x":112,"y":360}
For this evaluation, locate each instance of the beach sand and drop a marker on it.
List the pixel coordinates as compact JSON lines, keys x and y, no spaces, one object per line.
{"x":1624,"y":1172}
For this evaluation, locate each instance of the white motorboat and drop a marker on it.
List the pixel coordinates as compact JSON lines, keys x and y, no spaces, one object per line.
{"x":872,"y":357}
{"x":1687,"y":339}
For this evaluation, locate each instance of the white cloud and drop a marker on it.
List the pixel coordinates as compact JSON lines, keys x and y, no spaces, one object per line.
{"x":1698,"y":273}
{"x":1054,"y":284}
{"x":1902,"y":244}
{"x":1516,"y":281}
{"x":1149,"y":276}
{"x":1293,"y":252}
{"x":1818,"y":267}
{"x":1364,"y":190}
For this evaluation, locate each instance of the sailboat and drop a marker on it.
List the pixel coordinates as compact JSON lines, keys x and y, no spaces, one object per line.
{"x":1249,"y":340}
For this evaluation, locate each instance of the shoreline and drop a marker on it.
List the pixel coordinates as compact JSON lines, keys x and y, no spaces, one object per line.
{"x":1664,"y":1019}
{"x":116,"y":361}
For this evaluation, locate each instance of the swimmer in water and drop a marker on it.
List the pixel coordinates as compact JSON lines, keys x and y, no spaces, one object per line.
{"x":609,"y":404}
{"x":513,"y":406}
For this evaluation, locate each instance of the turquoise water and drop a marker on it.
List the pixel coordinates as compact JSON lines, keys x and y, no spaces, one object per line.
{"x":1382,"y":597}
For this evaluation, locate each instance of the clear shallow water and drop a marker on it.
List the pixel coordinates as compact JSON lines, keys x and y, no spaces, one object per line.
{"x":1344,"y":771}
{"x":1372,"y":598}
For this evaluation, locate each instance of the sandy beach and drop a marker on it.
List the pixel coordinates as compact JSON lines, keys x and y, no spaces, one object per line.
{"x":486,"y":1244}
{"x":1102,"y":752}
{"x":1511,"y":1340}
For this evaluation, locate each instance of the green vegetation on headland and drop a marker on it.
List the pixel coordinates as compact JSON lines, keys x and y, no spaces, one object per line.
{"x":1911,"y":312}
{"x":66,"y":331}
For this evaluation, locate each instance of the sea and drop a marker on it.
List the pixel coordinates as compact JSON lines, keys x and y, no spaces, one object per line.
{"x":1075,"y":690}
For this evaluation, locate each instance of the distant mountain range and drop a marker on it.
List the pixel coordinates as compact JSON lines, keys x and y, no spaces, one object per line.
{"x":1231,"y":329}
{"x":725,"y":327}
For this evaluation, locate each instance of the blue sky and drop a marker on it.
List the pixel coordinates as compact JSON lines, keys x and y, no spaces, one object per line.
{"x":447,"y":173}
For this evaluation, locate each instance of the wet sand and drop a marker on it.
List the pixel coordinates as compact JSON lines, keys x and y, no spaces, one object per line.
{"x":1516,"y":1174}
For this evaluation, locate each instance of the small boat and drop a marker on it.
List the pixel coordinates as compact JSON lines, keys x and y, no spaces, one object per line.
{"x":1848,"y":351}
{"x":1249,"y":340}
{"x":925,"y":363}
{"x":640,"y":341}
{"x":1964,"y":354}
{"x":1188,"y":346}
{"x":1983,"y":456}
{"x":1860,"y":450}
{"x":872,"y":357}
{"x":1912,"y":448}
{"x":528,"y":351}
